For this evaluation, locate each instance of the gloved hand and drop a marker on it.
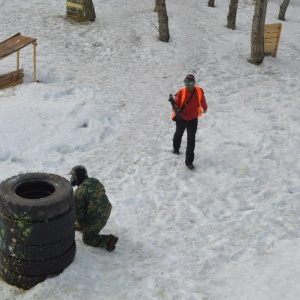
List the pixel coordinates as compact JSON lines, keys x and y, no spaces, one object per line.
{"x":171,"y":99}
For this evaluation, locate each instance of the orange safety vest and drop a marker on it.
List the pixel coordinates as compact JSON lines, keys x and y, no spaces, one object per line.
{"x":200,"y":94}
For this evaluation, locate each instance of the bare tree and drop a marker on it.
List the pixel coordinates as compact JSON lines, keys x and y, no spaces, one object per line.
{"x":231,"y":18}
{"x":283,"y":8}
{"x":211,"y":3}
{"x":257,"y":36}
{"x":163,"y":22}
{"x":89,"y":10}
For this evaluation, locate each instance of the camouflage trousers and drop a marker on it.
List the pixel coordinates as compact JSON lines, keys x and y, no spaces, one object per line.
{"x":91,"y":236}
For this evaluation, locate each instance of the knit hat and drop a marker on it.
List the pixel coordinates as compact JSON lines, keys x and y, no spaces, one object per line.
{"x":190,"y":77}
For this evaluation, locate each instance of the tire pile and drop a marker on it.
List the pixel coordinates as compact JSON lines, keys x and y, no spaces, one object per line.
{"x":37,"y":237}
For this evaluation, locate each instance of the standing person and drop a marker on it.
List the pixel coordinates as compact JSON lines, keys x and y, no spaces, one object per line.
{"x":191,"y":103}
{"x":92,"y":209}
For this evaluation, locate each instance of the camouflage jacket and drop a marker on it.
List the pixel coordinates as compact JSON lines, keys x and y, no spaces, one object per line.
{"x":91,"y":202}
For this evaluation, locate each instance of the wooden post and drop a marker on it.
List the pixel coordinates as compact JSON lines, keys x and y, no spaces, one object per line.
{"x":18,"y":60}
{"x":34,"y":61}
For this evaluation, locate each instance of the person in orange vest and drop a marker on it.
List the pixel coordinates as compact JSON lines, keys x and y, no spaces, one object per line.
{"x":191,"y":104}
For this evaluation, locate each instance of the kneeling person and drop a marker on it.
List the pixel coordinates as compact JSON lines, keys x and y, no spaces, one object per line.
{"x":92,"y":209}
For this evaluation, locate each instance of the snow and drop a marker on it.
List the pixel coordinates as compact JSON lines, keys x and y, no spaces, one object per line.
{"x":227,"y":230}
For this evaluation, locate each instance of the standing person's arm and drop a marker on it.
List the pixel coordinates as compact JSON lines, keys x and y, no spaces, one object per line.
{"x":203,"y":103}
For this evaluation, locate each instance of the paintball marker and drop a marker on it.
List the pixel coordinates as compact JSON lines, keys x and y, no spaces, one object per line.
{"x":176,"y":109}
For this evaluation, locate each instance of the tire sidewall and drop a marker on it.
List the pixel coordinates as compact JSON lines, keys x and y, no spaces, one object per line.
{"x":35,"y":210}
{"x":26,"y":233}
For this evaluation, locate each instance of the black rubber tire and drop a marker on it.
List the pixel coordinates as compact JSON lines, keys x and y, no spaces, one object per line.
{"x":38,"y":268}
{"x":20,"y":281}
{"x":35,"y":197}
{"x":26,"y":233}
{"x":37,"y":252}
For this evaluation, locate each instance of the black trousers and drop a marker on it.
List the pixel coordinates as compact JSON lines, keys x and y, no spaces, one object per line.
{"x":191,"y":129}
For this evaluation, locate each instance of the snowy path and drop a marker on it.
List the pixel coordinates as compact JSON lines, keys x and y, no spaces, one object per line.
{"x":209,"y":215}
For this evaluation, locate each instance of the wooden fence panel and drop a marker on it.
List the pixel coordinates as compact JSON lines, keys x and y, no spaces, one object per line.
{"x":272,"y":34}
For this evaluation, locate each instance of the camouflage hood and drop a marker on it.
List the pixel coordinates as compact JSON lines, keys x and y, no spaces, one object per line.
{"x":78,"y":174}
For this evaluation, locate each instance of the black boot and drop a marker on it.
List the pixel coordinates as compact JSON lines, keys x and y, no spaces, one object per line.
{"x":111,"y":242}
{"x":190,"y":166}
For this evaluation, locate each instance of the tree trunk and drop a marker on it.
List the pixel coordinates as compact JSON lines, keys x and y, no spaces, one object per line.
{"x":211,"y":3}
{"x":283,"y":8}
{"x":257,"y":36}
{"x":162,"y":20}
{"x":231,"y":18}
{"x":89,"y":10}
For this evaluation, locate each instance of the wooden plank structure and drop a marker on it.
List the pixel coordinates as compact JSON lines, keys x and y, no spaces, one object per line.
{"x":272,"y":34}
{"x":10,"y":46}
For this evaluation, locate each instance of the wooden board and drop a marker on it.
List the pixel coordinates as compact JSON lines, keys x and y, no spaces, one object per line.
{"x":13,"y":44}
{"x":272,"y":34}
{"x":11,"y":79}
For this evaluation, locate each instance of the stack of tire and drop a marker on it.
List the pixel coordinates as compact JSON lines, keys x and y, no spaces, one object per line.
{"x":37,"y":219}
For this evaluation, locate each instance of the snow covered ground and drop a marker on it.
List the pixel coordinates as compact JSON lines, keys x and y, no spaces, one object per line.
{"x":227,"y":230}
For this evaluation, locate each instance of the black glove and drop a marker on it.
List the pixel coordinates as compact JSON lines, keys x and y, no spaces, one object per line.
{"x":171,"y":99}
